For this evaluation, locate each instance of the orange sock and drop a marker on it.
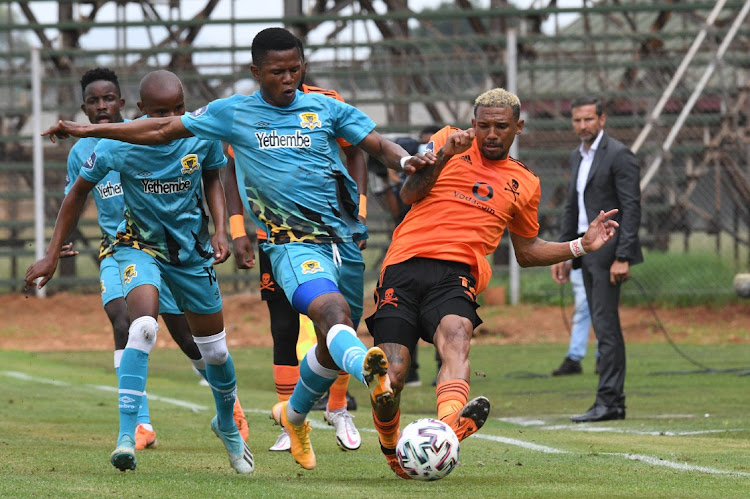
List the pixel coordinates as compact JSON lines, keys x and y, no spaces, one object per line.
{"x":388,"y":430}
{"x":451,"y":398}
{"x":337,"y":392}
{"x":285,"y":378}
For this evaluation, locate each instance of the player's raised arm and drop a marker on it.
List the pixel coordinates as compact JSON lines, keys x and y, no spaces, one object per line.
{"x":67,"y":219}
{"x":534,"y":251}
{"x":148,"y":132}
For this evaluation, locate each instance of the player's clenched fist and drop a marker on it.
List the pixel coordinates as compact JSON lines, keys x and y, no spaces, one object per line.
{"x":458,"y":142}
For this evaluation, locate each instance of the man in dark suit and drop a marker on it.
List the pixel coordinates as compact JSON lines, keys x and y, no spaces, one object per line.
{"x":604,"y":175}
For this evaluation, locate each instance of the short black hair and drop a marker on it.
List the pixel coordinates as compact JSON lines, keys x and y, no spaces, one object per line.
{"x":98,"y":74}
{"x":273,"y":40}
{"x":588,"y":100}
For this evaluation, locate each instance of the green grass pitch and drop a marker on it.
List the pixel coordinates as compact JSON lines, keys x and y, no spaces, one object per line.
{"x":686,"y":435}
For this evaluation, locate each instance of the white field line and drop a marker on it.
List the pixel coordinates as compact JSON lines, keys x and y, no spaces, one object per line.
{"x":542,"y":425}
{"x":47,"y":381}
{"x":654,"y":461}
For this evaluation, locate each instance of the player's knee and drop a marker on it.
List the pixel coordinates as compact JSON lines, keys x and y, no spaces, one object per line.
{"x":213,"y":348}
{"x":142,"y":333}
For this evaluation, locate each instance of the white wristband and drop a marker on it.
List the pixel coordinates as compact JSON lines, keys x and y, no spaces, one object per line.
{"x":404,"y":160}
{"x":576,"y":247}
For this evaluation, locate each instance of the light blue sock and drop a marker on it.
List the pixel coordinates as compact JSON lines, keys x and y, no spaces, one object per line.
{"x":314,"y":382}
{"x":144,"y":417}
{"x":143,"y":413}
{"x":346,"y":350}
{"x":223,"y":384}
{"x":132,"y":384}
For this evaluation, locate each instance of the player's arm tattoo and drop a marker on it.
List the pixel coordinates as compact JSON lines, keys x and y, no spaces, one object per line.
{"x":419,"y":184}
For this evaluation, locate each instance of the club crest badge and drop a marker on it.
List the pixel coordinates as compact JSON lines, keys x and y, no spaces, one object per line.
{"x":310,"y":120}
{"x":190,"y":164}
{"x":311,"y":267}
{"x":129,"y":274}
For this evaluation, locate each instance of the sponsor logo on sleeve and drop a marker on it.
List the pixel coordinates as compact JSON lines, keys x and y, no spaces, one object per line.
{"x":89,"y":164}
{"x":199,"y":112}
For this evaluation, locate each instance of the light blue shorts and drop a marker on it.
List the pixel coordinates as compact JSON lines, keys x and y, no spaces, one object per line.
{"x":109,"y":280}
{"x":306,"y":271}
{"x":194,"y":288}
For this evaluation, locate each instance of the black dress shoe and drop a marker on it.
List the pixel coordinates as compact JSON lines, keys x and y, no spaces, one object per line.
{"x":600,"y":413}
{"x":568,"y":366}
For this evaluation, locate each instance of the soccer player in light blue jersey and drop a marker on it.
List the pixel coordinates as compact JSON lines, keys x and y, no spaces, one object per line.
{"x":165,"y":237}
{"x":292,"y":182}
{"x":102,"y":103}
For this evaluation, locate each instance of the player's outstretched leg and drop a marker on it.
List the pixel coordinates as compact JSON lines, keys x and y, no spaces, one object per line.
{"x":132,"y":386}
{"x":238,"y":414}
{"x":388,"y":433}
{"x":338,"y":416}
{"x":466,"y":418}
{"x":222,"y":380}
{"x":368,"y":366}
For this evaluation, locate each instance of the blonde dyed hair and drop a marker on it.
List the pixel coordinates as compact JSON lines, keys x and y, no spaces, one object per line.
{"x":499,"y":97}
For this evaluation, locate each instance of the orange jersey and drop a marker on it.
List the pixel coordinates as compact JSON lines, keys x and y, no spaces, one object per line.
{"x":341,"y":142}
{"x":463,"y":217}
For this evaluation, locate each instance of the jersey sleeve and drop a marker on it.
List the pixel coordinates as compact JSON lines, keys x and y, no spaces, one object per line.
{"x":74,"y":167}
{"x":525,"y":222}
{"x":97,"y":166}
{"x":215,"y":158}
{"x":212,"y":121}
{"x":351,"y":124}
{"x":340,"y":141}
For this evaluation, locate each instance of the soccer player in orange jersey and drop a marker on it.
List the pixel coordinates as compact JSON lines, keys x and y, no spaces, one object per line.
{"x":436,"y":266}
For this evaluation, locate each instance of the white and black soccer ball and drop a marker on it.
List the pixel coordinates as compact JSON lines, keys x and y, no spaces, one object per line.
{"x":427,"y":449}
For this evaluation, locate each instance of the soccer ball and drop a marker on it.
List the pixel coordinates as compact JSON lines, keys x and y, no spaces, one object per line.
{"x":427,"y":449}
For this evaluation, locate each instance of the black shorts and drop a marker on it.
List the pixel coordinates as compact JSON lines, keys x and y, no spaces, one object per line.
{"x":269,"y":288}
{"x":414,"y":296}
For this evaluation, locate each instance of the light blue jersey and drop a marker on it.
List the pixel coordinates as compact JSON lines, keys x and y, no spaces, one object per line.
{"x":288,"y":162}
{"x":110,"y":204}
{"x":161,"y":185}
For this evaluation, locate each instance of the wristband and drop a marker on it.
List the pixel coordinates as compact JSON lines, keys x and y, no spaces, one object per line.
{"x":576,"y":247}
{"x":363,"y":206}
{"x":237,"y":226}
{"x":403,"y":161}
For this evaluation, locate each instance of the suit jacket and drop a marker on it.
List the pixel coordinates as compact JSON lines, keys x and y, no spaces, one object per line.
{"x":613,"y":182}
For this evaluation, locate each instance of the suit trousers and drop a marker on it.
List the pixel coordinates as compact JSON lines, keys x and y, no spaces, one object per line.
{"x":604,"y":300}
